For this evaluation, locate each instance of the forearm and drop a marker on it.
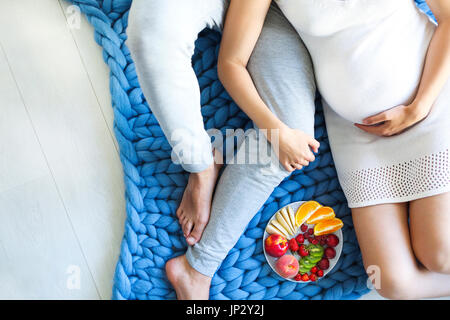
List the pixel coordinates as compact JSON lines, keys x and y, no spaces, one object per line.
{"x":437,"y":68}
{"x":239,"y":85}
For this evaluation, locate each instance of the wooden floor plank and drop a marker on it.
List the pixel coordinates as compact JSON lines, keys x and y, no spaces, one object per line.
{"x":91,"y":56}
{"x":21,"y":158}
{"x":69,"y":123}
{"x":38,"y":246}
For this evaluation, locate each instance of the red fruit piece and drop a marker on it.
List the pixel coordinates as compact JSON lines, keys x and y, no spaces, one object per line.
{"x":303,"y":251}
{"x":311,"y":231}
{"x":313,"y":277}
{"x":320,"y":273}
{"x":298,"y":277}
{"x":314,"y":241}
{"x":276,"y":245}
{"x":293,"y":245}
{"x":314,"y":269}
{"x":305,"y":277}
{"x":330,"y":253}
{"x":324,"y":264}
{"x":300,"y":238}
{"x":332,"y":240}
{"x":304,"y":227}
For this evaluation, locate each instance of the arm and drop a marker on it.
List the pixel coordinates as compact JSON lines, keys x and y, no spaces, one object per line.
{"x":243,"y":26}
{"x":435,"y":75}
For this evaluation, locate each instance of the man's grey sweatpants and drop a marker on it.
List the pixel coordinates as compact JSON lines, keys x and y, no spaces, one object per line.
{"x":161,"y":36}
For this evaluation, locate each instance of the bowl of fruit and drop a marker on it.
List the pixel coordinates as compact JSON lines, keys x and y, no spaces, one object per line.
{"x":303,"y":241}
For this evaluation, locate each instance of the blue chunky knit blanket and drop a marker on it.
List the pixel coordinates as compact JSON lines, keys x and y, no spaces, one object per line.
{"x":154,"y":185}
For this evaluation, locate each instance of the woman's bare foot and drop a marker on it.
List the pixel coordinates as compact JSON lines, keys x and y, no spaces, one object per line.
{"x":189,"y":284}
{"x":195,"y":207}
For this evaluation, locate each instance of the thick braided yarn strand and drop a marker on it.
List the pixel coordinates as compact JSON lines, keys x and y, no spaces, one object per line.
{"x":154,"y":185}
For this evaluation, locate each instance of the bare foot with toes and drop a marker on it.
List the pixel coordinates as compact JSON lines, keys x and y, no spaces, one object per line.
{"x":195,"y":207}
{"x":189,"y":284}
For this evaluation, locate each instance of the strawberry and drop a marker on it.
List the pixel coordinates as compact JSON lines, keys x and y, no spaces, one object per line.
{"x":298,"y":277}
{"x":314,"y":241}
{"x":293,"y":245}
{"x":311,"y":231}
{"x":314,"y":269}
{"x":313,"y":277}
{"x":300,"y":238}
{"x":320,"y":273}
{"x":302,"y":251}
{"x":330,"y":253}
{"x":324,"y":264}
{"x":305,"y":277}
{"x":304,"y":227}
{"x":332,"y":240}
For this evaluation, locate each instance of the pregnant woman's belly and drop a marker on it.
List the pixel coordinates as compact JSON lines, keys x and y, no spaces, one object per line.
{"x":361,"y":72}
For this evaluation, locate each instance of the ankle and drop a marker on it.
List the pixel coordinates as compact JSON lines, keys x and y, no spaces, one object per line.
{"x":193,"y":273}
{"x":213,"y":169}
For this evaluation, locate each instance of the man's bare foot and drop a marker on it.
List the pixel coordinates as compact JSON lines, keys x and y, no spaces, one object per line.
{"x":189,"y":284}
{"x":195,"y":207}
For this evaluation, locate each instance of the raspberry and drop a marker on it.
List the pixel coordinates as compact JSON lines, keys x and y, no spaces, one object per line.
{"x":311,"y":231}
{"x":330,"y":253}
{"x":324,"y":264}
{"x":314,"y":269}
{"x":298,"y":277}
{"x":300,"y":238}
{"x":293,"y":245}
{"x":320,"y":273}
{"x":313,"y":277}
{"x":332,"y":240}
{"x":304,"y":227}
{"x":305,"y":277}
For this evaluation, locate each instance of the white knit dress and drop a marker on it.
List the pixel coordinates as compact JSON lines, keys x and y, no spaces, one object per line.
{"x":368,"y":57}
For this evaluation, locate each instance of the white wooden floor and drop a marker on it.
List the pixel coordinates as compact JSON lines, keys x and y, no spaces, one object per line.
{"x":61,"y":190}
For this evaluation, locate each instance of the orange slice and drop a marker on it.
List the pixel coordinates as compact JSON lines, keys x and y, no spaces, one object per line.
{"x":323,"y":213}
{"x":305,"y":211}
{"x":328,"y":226}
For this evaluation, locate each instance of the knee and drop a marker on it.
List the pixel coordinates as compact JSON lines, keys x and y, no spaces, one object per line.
{"x":433,"y":252}
{"x":436,"y":259}
{"x":153,"y":41}
{"x":147,"y":39}
{"x":395,"y":285}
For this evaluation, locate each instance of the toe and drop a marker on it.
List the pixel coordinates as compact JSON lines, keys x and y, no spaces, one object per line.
{"x":196,"y":233}
{"x":179,"y":213}
{"x":187,"y":227}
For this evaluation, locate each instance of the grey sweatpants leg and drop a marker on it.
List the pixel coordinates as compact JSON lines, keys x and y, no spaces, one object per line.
{"x":282,"y":72}
{"x":161,"y":37}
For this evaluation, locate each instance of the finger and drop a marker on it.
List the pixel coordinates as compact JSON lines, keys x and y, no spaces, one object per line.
{"x":378,"y":118}
{"x":288,"y":167}
{"x":303,"y":162}
{"x":376,"y":130}
{"x":297,"y":166}
{"x":310,"y":156}
{"x":179,"y":212}
{"x":315,"y":145}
